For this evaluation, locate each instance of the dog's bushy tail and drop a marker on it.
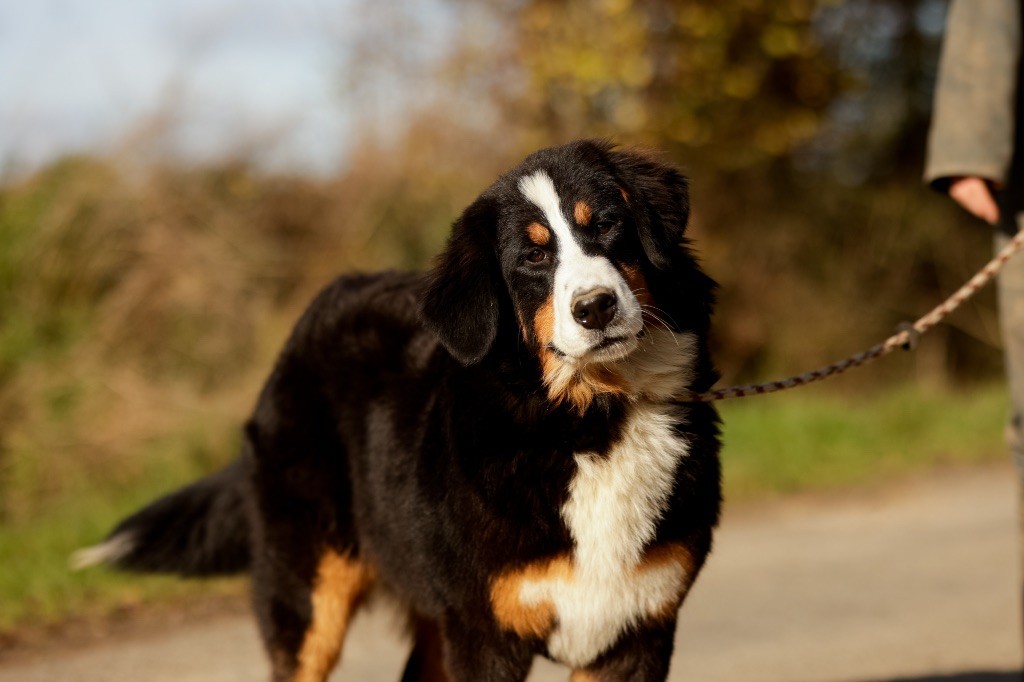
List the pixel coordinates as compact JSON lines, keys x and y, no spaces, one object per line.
{"x":200,"y":530}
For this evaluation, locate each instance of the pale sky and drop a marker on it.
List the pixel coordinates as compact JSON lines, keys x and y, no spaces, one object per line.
{"x":79,"y":75}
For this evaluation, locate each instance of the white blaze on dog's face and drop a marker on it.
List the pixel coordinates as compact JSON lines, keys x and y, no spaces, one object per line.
{"x":596,"y":315}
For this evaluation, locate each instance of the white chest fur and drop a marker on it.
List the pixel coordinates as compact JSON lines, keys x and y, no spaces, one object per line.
{"x":614,"y":504}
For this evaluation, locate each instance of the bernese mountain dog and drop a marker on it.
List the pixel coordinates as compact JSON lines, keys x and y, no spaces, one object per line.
{"x":503,"y":445}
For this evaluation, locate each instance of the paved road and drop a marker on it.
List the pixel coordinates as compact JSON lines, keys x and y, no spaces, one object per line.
{"x":916,"y":583}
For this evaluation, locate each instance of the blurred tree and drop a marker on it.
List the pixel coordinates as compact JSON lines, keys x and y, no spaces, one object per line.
{"x":729,"y":85}
{"x":744,"y":83}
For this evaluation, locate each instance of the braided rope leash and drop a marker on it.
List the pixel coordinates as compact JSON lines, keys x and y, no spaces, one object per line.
{"x":905,"y":338}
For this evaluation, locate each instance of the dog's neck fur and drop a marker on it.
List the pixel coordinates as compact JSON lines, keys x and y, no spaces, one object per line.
{"x":661,"y":369}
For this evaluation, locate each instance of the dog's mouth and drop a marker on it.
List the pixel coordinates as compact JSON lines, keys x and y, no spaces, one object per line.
{"x":607,"y":350}
{"x":614,"y":348}
{"x":612,"y":342}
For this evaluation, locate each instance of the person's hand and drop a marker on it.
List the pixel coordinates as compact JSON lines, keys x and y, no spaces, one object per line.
{"x":974,"y":195}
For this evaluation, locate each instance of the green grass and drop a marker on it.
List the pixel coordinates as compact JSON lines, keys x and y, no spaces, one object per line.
{"x":811,"y":441}
{"x":803,"y":441}
{"x":36,"y":585}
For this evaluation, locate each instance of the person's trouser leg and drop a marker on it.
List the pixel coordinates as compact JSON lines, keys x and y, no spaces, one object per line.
{"x":1010,"y":288}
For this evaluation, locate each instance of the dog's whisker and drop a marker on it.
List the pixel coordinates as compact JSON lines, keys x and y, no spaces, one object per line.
{"x":654,"y":315}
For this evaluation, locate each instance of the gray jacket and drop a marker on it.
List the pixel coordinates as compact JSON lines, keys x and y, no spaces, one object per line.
{"x":978,"y":99}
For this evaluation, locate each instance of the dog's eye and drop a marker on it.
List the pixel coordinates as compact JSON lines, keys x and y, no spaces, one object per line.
{"x":605,"y":226}
{"x":537,"y":256}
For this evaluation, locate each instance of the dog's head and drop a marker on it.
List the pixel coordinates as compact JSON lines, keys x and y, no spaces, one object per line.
{"x":582,"y":245}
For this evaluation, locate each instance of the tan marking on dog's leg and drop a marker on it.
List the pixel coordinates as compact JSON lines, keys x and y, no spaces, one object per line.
{"x":583,"y":676}
{"x":340,"y":585}
{"x":527,"y":620}
{"x":582,"y":213}
{"x":672,"y":553}
{"x":538,"y":234}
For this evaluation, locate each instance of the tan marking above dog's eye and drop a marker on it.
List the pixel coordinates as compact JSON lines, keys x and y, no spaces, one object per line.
{"x":582,"y":213}
{"x":538,"y":234}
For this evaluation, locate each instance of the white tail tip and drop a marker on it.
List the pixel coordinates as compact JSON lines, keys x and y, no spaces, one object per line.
{"x":104,"y":553}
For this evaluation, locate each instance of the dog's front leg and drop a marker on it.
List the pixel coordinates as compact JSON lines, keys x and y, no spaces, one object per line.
{"x":640,"y":656}
{"x":476,"y":652}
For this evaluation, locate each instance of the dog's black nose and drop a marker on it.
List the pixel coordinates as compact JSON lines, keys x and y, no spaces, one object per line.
{"x":594,"y":309}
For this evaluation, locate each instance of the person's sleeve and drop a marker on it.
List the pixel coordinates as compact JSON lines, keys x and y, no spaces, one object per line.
{"x":973,"y":117}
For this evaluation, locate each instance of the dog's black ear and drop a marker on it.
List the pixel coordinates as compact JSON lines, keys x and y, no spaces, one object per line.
{"x":660,"y":197}
{"x":460,"y":302}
